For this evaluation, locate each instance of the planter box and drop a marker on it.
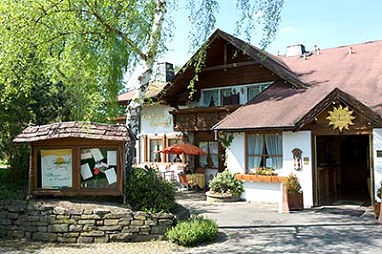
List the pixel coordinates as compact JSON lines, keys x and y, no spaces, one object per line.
{"x":217,"y":197}
{"x":295,"y":201}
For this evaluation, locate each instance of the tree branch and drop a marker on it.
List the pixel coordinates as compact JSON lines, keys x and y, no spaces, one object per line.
{"x":117,"y":32}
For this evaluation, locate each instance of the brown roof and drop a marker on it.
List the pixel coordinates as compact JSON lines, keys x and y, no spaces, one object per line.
{"x":86,"y":130}
{"x":125,"y":98}
{"x":358,"y":74}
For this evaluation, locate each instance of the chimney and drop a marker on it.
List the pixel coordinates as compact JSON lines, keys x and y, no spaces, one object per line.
{"x":164,"y":72}
{"x":350,"y":50}
{"x":317,"y":50}
{"x":295,"y":50}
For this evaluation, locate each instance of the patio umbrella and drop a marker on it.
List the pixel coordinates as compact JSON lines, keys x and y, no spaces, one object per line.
{"x":187,"y":149}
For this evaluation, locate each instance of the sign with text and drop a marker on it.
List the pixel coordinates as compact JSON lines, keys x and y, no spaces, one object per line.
{"x":56,"y":168}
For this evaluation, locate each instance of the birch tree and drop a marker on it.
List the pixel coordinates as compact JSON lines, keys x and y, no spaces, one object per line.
{"x":87,"y":45}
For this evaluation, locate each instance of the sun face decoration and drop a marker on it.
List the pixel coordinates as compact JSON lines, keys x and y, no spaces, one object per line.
{"x":341,"y":118}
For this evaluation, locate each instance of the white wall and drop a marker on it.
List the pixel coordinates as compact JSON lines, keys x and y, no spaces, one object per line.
{"x":377,"y":145}
{"x":262,"y":192}
{"x":235,"y":154}
{"x":235,"y":159}
{"x":301,"y":140}
{"x":156,"y":119}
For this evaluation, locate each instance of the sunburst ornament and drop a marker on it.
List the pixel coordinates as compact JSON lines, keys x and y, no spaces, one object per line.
{"x":341,"y":118}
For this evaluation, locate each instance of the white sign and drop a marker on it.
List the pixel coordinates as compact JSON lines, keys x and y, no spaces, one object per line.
{"x":56,"y":168}
{"x":86,"y":172}
{"x":112,"y":158}
{"x":111,"y":176}
{"x":97,"y":155}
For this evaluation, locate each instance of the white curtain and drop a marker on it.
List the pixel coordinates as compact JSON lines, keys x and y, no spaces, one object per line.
{"x":274,"y":147}
{"x":255,"y":147}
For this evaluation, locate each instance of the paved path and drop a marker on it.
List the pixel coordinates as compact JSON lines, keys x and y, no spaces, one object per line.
{"x":249,"y":228}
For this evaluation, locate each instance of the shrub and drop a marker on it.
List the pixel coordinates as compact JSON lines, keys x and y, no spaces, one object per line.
{"x":193,"y":231}
{"x":225,"y":183}
{"x":11,"y":188}
{"x":264,"y":171}
{"x":293,"y":184}
{"x":149,"y":192}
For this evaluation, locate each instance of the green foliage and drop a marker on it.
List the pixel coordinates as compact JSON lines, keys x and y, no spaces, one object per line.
{"x":226,"y":183}
{"x":265,"y":171}
{"x":12,"y":187}
{"x":293,"y":184}
{"x":193,"y":232}
{"x":149,"y":192}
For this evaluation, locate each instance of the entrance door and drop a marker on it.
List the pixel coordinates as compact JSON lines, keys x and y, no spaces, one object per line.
{"x":343,"y":169}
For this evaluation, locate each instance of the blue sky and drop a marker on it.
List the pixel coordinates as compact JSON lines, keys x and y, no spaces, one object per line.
{"x":325,"y":23}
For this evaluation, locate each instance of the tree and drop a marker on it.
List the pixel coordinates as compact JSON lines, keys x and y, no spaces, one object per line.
{"x":83,"y":47}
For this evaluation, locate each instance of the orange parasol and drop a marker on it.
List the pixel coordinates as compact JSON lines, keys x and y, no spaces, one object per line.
{"x":183,"y":148}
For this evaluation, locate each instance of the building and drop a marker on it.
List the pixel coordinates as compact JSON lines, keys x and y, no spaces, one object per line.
{"x":314,"y":113}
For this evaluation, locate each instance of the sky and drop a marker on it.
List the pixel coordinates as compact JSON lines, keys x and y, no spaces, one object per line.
{"x":325,"y":23}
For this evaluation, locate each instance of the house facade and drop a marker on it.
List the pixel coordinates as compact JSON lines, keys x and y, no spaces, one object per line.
{"x":316,"y":114}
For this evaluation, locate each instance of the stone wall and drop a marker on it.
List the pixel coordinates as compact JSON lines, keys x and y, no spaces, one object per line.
{"x":43,"y":222}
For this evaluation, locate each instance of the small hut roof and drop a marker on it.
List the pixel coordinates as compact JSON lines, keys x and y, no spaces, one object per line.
{"x":100,"y":131}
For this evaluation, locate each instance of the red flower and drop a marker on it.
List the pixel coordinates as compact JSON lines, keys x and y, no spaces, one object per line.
{"x":96,"y":171}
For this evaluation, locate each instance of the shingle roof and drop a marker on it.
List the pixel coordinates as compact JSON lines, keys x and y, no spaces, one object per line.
{"x":358,"y":74}
{"x":153,"y":90}
{"x":113,"y":132}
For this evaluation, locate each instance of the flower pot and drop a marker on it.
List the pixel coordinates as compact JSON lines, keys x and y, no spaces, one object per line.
{"x":219,"y":197}
{"x":377,"y":209}
{"x":295,"y":201}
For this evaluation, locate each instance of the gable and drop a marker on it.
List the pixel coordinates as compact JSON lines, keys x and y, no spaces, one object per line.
{"x":316,"y":118}
{"x":229,"y":61}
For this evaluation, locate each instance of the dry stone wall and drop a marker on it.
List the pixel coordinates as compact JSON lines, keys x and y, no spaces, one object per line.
{"x":42,"y":222}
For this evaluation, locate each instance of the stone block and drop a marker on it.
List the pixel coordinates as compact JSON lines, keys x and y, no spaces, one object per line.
{"x":75,"y":211}
{"x":75,"y":228}
{"x":89,"y":227}
{"x":83,"y":222}
{"x":110,"y":228}
{"x":29,"y":228}
{"x":130,"y":229}
{"x":59,"y":210}
{"x":93,"y":233}
{"x":17,"y":206}
{"x":33,"y":218}
{"x":110,"y":222}
{"x":122,"y":237}
{"x":99,"y":222}
{"x":90,"y":216}
{"x":62,"y":217}
{"x":58,"y":228}
{"x":140,"y":215}
{"x":163,"y":216}
{"x":45,"y":237}
{"x":42,"y":228}
{"x":85,"y":239}
{"x":12,"y":216}
{"x":88,"y":211}
{"x":119,"y":215}
{"x":151,"y":222}
{"x":137,"y":223}
{"x":4,"y":221}
{"x":101,"y":212}
{"x":16,"y":234}
{"x":28,"y":235}
{"x":101,"y":239}
{"x":166,"y":222}
{"x":124,"y":222}
{"x":159,"y":230}
{"x":71,"y":235}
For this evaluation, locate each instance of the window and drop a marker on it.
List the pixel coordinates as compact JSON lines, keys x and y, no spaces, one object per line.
{"x":98,"y":168}
{"x":211,"y":160}
{"x":264,"y":150}
{"x":211,"y":98}
{"x":155,"y":148}
{"x":253,"y":91}
{"x":172,"y":141}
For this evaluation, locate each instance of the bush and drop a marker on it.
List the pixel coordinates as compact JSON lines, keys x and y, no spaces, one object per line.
{"x":11,"y":188}
{"x":146,"y":191}
{"x":293,"y":184}
{"x":225,"y":183}
{"x":193,"y":231}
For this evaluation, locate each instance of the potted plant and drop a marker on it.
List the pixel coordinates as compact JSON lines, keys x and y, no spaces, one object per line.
{"x":224,"y":188}
{"x":377,"y":204}
{"x":294,"y":193}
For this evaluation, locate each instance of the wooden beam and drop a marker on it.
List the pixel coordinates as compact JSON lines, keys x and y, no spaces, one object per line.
{"x":226,"y":66}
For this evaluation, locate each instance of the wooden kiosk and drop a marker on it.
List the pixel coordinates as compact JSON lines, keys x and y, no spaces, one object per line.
{"x":76,"y":158}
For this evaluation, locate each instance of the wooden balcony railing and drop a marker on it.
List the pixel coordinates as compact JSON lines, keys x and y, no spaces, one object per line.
{"x":200,"y":119}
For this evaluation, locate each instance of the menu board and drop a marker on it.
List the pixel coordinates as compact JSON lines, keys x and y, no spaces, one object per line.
{"x":56,"y":168}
